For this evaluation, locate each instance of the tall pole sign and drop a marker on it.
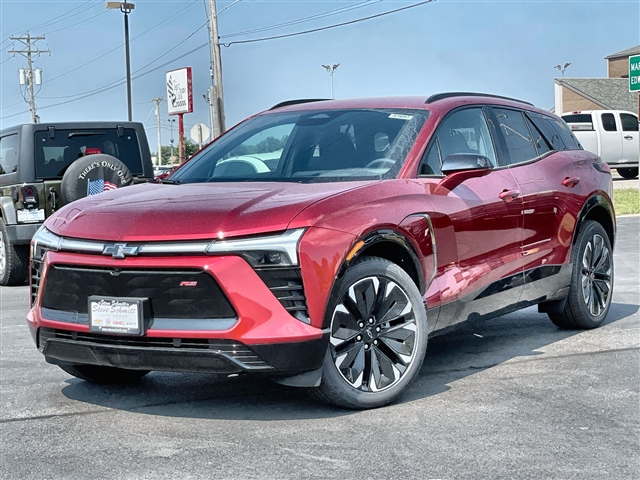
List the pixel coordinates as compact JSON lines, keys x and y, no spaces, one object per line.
{"x":180,"y":101}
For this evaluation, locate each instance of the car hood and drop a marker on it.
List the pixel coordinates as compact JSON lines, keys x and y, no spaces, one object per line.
{"x":152,"y":212}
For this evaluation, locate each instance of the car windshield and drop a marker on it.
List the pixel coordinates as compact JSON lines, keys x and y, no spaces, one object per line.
{"x":310,"y":146}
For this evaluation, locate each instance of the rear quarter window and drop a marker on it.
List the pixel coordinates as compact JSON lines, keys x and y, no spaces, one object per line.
{"x":9,"y":154}
{"x":556,"y":132}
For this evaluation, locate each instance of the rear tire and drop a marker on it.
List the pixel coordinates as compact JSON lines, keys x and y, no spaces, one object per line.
{"x":378,"y":336}
{"x":591,"y":286}
{"x":14,"y":260}
{"x":628,"y":172}
{"x":103,"y":375}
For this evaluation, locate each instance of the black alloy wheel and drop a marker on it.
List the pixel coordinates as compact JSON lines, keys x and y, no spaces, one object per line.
{"x":378,"y":336}
{"x":591,"y":288}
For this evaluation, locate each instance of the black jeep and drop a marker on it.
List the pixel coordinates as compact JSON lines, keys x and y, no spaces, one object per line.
{"x":44,"y":166}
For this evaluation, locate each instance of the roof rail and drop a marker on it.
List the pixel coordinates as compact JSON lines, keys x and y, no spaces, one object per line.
{"x":296,"y":102}
{"x":440,"y":96}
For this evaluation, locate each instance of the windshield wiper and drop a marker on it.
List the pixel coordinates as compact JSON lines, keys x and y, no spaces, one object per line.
{"x":168,"y":182}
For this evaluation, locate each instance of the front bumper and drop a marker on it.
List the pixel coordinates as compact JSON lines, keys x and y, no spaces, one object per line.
{"x":63,"y":347}
{"x":264,"y":336}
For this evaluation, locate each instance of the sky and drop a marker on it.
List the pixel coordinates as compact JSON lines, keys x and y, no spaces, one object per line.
{"x":503,"y":47}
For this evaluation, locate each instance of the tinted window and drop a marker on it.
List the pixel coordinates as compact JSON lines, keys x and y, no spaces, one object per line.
{"x":577,"y":118}
{"x":54,"y":155}
{"x":310,"y":146}
{"x":629,"y":122}
{"x":538,"y":140}
{"x":568,"y":138}
{"x":431,"y":162}
{"x":517,"y":137}
{"x":9,"y":154}
{"x":552,"y":136}
{"x":463,"y":131}
{"x":608,"y":122}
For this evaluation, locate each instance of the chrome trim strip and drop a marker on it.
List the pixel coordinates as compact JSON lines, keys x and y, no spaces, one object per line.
{"x":286,"y":243}
{"x":185,"y":247}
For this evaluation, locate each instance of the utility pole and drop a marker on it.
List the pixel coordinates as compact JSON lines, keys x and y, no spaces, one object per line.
{"x":158,"y":100}
{"x":216,"y":95}
{"x":26,"y":40}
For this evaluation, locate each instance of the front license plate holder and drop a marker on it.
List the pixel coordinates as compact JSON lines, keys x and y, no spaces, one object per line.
{"x":118,"y":315}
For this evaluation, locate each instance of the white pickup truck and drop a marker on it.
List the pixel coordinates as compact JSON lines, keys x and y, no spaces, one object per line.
{"x":611,"y":134}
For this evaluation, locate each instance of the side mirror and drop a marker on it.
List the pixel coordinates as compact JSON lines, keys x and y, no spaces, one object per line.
{"x":460,"y":162}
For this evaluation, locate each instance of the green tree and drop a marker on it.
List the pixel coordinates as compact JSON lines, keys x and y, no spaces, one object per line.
{"x":190,"y":148}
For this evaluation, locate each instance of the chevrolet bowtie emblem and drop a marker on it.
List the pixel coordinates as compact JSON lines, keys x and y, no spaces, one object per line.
{"x":120,"y":250}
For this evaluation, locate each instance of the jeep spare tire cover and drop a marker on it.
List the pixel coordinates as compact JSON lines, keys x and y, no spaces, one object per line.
{"x":93,"y":174}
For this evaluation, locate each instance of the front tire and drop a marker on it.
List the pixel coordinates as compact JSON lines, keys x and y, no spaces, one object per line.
{"x":591,"y":286}
{"x":103,"y":375}
{"x":14,"y":260}
{"x":378,"y":336}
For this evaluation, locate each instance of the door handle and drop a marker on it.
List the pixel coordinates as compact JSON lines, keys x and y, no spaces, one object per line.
{"x":509,"y":195}
{"x":571,"y":181}
{"x":628,"y":137}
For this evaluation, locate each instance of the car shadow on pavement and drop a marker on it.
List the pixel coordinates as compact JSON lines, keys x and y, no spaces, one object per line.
{"x":470,"y":349}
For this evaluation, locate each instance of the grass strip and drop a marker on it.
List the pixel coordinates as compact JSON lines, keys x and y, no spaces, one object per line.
{"x":626,"y":201}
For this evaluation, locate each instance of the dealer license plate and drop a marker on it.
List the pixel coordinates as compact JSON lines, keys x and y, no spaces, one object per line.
{"x":116,"y":315}
{"x":29,"y":216}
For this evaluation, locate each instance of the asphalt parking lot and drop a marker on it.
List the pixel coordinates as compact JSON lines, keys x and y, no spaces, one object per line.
{"x":509,"y":398}
{"x":619,"y":182}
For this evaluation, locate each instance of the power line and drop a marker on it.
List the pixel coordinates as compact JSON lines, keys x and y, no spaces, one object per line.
{"x":113,"y":85}
{"x":389,"y":12}
{"x":117,"y":48}
{"x":77,"y":23}
{"x":58,"y":19}
{"x":229,"y":6}
{"x":365,"y":3}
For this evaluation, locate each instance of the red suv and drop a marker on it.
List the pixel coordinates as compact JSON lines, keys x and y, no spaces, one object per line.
{"x":321,"y":243}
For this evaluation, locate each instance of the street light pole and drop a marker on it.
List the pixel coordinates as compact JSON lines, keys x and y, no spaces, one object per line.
{"x":171,"y":122}
{"x":562,"y":68}
{"x":126,"y":8}
{"x":331,"y":71}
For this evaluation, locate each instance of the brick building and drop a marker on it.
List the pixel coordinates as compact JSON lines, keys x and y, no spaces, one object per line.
{"x":611,"y":93}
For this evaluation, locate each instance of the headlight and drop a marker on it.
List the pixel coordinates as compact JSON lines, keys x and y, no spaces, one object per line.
{"x":42,"y":241}
{"x":268,"y":251}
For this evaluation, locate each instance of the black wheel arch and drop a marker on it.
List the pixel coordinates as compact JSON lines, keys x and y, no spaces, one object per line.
{"x":599,"y":208}
{"x":388,"y":244}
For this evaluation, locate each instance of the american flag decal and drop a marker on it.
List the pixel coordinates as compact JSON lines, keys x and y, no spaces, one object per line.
{"x":100,"y":185}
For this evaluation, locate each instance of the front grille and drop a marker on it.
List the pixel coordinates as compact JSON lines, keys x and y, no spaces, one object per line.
{"x":229,"y":348}
{"x":37,"y":262}
{"x":190,"y":294}
{"x":286,"y":285}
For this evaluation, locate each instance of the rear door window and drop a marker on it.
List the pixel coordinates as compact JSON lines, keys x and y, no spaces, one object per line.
{"x":629,"y":122}
{"x":516,"y":134}
{"x":54,"y":155}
